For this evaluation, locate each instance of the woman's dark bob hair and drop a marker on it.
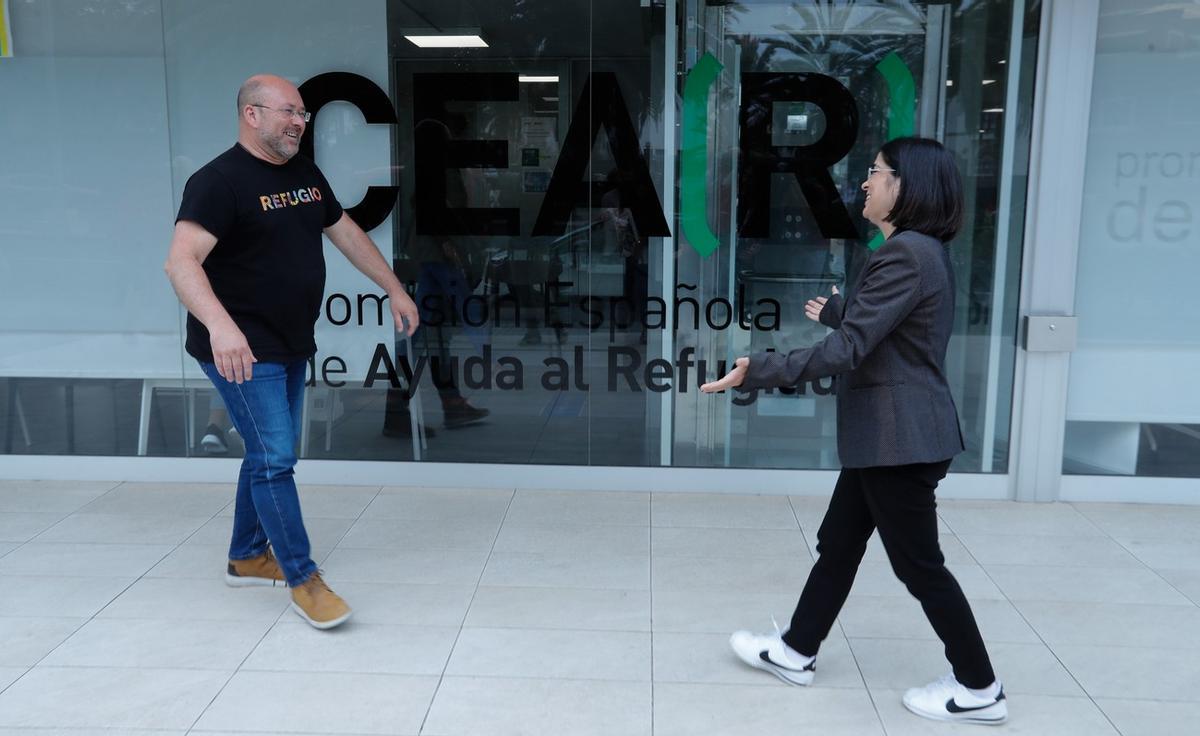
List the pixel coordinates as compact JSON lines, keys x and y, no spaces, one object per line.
{"x":930,"y":200}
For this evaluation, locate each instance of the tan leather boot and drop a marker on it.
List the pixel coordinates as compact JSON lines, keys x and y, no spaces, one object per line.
{"x":261,"y":570}
{"x":318,"y":605}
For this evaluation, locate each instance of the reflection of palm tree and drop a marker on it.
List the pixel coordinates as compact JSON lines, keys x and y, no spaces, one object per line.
{"x":647,"y":108}
{"x":827,"y":30}
{"x":837,"y":38}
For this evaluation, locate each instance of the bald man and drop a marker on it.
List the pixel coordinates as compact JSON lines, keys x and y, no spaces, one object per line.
{"x":246,"y":261}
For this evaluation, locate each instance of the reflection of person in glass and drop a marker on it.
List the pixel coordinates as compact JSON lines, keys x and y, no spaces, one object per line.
{"x":215,"y":439}
{"x":447,"y":274}
{"x":531,"y":291}
{"x":897,"y":432}
{"x":247,"y":261}
{"x":622,"y":230}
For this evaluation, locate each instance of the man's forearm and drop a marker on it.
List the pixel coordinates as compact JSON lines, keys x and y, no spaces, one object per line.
{"x":363,"y":255}
{"x":195,"y":292}
{"x":358,"y":248}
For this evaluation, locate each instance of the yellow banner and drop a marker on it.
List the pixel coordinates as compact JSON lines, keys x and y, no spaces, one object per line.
{"x":5,"y":31}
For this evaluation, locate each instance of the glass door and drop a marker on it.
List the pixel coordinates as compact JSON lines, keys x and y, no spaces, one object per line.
{"x":784,"y":106}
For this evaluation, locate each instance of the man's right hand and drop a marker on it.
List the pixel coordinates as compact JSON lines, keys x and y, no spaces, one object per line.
{"x":231,"y":354}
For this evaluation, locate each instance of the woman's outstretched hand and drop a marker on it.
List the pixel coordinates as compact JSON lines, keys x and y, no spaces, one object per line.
{"x":732,"y":379}
{"x":813,"y":307}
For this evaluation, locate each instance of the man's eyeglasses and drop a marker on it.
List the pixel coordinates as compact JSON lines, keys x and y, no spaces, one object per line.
{"x":287,"y":111}
{"x":872,"y":169}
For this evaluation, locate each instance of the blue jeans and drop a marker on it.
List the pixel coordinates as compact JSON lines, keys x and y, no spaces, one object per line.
{"x":266,"y":411}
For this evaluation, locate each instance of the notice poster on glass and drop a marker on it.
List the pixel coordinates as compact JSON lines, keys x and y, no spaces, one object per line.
{"x":539,"y":133}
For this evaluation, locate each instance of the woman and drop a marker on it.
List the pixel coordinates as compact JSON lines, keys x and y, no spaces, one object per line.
{"x":897,"y":432}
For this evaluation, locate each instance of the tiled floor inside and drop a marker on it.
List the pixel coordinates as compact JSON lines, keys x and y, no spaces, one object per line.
{"x":506,"y":612}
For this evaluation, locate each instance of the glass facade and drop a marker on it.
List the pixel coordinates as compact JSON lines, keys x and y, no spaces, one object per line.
{"x":596,"y":212}
{"x":1132,"y":406}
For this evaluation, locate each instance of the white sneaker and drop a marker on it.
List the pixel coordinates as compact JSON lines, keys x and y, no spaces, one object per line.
{"x":768,"y":652}
{"x":948,"y":700}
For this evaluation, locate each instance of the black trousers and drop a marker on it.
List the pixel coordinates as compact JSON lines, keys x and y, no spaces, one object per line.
{"x":899,"y":502}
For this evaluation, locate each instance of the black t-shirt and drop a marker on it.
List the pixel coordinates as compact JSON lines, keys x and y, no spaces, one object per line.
{"x":268,"y":267}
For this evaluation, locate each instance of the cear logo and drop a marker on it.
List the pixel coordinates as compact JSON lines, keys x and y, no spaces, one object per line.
{"x":602,"y":107}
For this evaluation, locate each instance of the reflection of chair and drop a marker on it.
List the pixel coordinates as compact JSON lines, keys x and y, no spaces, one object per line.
{"x":569,"y":247}
{"x":504,"y":269}
{"x":792,"y":289}
{"x":321,"y":408}
{"x":809,"y":422}
{"x":569,"y":241}
{"x":321,"y":404}
{"x":747,"y":276}
{"x":1152,"y":441}
{"x":149,"y":385}
{"x":16,"y":411}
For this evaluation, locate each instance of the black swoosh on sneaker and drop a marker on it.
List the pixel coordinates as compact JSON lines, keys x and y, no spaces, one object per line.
{"x":954,"y":707}
{"x":810,"y":667}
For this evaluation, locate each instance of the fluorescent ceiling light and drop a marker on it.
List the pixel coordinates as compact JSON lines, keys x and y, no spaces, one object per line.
{"x":427,"y":41}
{"x":949,"y":82}
{"x":989,"y":81}
{"x":535,"y":78}
{"x":994,"y":109}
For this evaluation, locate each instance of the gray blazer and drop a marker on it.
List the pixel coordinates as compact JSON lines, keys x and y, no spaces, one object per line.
{"x":888,"y":351}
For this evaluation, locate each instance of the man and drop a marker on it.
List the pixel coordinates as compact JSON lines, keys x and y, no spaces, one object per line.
{"x":246,"y":260}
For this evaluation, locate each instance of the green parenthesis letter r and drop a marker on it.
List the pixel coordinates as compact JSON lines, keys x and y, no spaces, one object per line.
{"x":693,"y":174}
{"x":902,"y":106}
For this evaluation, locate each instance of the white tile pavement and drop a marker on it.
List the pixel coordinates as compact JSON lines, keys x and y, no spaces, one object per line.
{"x":570,"y":613}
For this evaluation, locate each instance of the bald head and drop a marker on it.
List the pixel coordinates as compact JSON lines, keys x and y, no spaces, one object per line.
{"x":249,"y":93}
{"x":255,"y":89}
